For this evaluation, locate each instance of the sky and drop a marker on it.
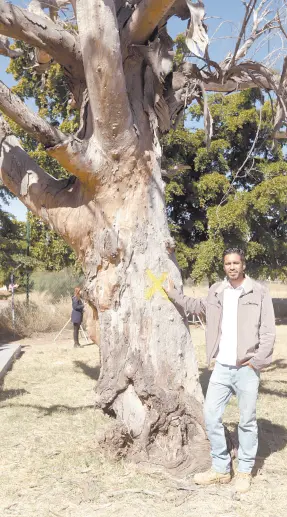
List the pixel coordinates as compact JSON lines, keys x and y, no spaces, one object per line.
{"x":223,"y":20}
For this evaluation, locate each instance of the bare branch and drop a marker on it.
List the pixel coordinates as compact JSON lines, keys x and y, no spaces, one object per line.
{"x":236,"y":80}
{"x":248,"y":12}
{"x":243,"y":164}
{"x":257,"y":72}
{"x":39,"y":191}
{"x":38,"y":6}
{"x":5,"y":49}
{"x":105,"y":78}
{"x":257,"y":31}
{"x":208,"y":121}
{"x":37,"y":127}
{"x":281,"y":114}
{"x":57,"y":202}
{"x":41,"y":32}
{"x":70,"y":152}
{"x":280,"y":25}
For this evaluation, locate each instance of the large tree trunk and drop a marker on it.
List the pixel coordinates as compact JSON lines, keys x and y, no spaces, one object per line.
{"x":149,"y":375}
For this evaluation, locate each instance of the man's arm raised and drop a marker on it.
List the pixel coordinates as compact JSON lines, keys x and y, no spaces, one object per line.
{"x":190,"y":305}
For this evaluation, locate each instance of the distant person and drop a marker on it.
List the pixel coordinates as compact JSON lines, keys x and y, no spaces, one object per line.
{"x":77,"y":314}
{"x":240,"y":334}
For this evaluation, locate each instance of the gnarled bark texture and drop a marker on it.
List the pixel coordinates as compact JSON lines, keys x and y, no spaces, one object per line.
{"x":119,"y":67}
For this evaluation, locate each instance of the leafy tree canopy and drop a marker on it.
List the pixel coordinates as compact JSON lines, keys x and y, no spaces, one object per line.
{"x":49,"y":91}
{"x":233,"y":193}
{"x":12,"y":243}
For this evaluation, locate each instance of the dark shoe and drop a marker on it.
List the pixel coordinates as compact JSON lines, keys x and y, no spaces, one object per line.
{"x":77,"y":345}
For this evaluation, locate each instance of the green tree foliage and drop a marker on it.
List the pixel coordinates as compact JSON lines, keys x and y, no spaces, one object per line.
{"x":49,"y":92}
{"x":48,"y":248}
{"x":12,"y":243}
{"x":233,"y":193}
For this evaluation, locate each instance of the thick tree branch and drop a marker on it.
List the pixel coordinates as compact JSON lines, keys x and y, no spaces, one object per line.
{"x":280,"y":135}
{"x":39,"y":191}
{"x":105,"y":78}
{"x":144,"y":20}
{"x":12,"y":106}
{"x":5,"y":49}
{"x":69,"y":151}
{"x":41,"y":32}
{"x":57,"y":202}
{"x":241,"y":77}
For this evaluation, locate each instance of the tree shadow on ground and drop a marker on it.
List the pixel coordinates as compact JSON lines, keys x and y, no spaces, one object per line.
{"x":272,"y":391}
{"x":56,"y":408}
{"x":8,"y":336}
{"x":279,"y":364}
{"x":91,"y":372}
{"x":9,"y":394}
{"x":272,"y":438}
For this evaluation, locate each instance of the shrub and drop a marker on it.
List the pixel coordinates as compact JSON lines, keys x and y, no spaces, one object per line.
{"x":56,"y":284}
{"x":40,"y":316}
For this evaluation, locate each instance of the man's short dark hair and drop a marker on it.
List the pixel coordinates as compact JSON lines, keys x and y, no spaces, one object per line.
{"x":238,"y":251}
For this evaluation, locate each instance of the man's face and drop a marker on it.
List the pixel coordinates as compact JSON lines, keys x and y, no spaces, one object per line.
{"x":233,"y":266}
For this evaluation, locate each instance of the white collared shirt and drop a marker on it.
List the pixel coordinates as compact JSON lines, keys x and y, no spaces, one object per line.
{"x":228,"y":341}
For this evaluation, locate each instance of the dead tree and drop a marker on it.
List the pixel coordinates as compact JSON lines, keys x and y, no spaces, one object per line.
{"x":120,"y":71}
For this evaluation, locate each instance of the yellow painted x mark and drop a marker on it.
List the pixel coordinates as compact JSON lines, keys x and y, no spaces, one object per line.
{"x":156,"y":285}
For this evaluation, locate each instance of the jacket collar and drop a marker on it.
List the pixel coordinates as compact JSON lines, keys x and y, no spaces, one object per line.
{"x":248,"y":285}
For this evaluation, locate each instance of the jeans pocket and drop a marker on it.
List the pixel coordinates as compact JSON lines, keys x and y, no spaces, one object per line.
{"x":252,"y":372}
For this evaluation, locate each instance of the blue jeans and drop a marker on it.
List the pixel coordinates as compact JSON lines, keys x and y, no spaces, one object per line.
{"x":243,"y":382}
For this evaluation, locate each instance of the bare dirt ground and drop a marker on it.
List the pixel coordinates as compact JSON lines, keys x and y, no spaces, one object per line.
{"x":52,"y":466}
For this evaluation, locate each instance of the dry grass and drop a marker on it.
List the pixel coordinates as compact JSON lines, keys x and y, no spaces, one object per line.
{"x":52,"y":466}
{"x":40,"y":316}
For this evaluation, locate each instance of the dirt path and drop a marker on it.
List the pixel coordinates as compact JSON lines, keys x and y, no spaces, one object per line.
{"x":51,"y":464}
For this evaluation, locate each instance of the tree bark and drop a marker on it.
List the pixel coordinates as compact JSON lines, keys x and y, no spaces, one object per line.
{"x":149,"y":375}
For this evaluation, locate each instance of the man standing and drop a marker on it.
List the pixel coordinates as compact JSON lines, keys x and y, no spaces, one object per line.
{"x":240,"y":335}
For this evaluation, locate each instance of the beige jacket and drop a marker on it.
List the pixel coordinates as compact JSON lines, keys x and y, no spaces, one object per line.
{"x":256,"y":322}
